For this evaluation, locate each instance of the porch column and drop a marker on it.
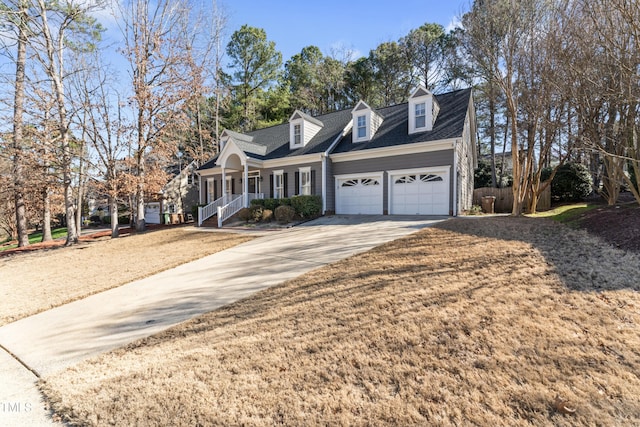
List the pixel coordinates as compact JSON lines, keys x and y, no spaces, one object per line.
{"x":245,"y":185}
{"x":224,"y":187}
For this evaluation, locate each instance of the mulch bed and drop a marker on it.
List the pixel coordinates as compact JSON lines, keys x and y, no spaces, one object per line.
{"x":618,"y":225}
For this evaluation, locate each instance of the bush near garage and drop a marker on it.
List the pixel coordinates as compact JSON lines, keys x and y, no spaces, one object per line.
{"x":307,"y":206}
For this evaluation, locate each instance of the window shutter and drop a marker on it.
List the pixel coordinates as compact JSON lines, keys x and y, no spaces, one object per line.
{"x":233,"y":186}
{"x":285,"y":184}
{"x":215,"y":191}
{"x":206,"y":191}
{"x":271,"y":186}
{"x":297,"y":184}
{"x":313,"y":181}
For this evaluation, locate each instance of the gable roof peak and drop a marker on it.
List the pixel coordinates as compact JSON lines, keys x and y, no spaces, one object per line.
{"x":420,"y":91}
{"x":304,"y":116}
{"x":361,"y":105}
{"x":236,"y":135}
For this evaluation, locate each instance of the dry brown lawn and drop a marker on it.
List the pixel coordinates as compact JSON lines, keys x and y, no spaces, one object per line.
{"x":495,"y":321}
{"x":36,"y":281}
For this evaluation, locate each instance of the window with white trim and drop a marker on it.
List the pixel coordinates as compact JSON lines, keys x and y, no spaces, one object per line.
{"x":297,"y":134}
{"x":305,"y":181}
{"x":362,"y":126}
{"x":421,"y":115}
{"x":278,"y":184}
{"x":210,"y":190}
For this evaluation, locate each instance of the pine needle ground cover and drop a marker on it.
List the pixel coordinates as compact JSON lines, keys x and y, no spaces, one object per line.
{"x":37,"y":281}
{"x":492,"y":321}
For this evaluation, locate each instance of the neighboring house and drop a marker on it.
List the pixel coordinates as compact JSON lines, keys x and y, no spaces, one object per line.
{"x":178,"y":196}
{"x":415,"y":158}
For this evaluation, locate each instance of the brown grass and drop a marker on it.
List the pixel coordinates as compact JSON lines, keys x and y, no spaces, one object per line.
{"x":494,"y":321}
{"x":36,"y":281}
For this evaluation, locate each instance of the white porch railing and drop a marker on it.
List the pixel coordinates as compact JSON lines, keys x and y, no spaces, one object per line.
{"x":206,"y":212}
{"x":227,"y":211}
{"x":229,"y":205}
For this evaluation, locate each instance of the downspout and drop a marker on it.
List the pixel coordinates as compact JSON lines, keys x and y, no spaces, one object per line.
{"x":324,"y":182}
{"x":325,"y":159}
{"x":455,"y":179}
{"x":245,"y":184}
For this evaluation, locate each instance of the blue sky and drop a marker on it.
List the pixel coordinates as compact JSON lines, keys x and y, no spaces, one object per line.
{"x":354,"y":24}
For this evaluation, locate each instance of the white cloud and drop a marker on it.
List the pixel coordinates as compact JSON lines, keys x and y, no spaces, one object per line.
{"x":453,"y":24}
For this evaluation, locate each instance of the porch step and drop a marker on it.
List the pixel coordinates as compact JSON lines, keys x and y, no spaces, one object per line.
{"x":211,"y":222}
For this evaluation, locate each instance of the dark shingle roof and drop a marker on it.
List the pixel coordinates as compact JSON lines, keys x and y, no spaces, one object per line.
{"x":273,"y":142}
{"x":395,"y":126}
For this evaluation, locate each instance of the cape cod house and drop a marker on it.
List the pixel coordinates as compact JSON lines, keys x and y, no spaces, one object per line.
{"x":415,"y":158}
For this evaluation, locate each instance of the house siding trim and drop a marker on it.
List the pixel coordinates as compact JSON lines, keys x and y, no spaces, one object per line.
{"x":422,"y":147}
{"x":291,"y":161}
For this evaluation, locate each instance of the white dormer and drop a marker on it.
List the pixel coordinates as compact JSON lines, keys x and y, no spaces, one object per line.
{"x":302,"y":128}
{"x":423,"y":110}
{"x":365,"y":122}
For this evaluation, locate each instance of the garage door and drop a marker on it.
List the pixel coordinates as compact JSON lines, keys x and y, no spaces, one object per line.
{"x":359,"y":195}
{"x":152,"y":213}
{"x":425,"y":193}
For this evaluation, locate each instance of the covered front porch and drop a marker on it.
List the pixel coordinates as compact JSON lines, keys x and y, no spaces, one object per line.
{"x":230,"y":186}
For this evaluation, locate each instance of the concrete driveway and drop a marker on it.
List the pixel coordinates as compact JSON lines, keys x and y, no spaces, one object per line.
{"x":62,"y":337}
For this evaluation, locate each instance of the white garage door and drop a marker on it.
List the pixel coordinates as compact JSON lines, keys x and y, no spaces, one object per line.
{"x":359,"y":195}
{"x":152,"y":213}
{"x":424,"y":193}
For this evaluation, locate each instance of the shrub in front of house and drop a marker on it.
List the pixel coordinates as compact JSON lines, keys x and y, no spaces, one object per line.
{"x":255,"y":213}
{"x":307,"y":206}
{"x":284,"y":214}
{"x":245,"y":214}
{"x":267,"y":215}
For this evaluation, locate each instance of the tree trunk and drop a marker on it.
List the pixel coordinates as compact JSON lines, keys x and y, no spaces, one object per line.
{"x":46,"y":215}
{"x":81,"y":185}
{"x":113,"y":211}
{"x":516,"y":209}
{"x":140,"y":158}
{"x":18,"y":112}
{"x":492,"y":133}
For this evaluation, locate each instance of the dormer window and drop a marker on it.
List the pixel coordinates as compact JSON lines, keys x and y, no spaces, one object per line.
{"x":365,"y":122}
{"x":302,"y":129}
{"x":423,"y":110}
{"x":362,"y":127}
{"x":297,"y":134}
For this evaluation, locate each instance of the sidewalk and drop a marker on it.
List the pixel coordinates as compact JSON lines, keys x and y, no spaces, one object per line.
{"x":59,"y":338}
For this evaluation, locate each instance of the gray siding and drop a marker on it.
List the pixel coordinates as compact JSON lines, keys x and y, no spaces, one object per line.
{"x":408,"y":161}
{"x":265,"y":184}
{"x":465,"y":169}
{"x":331,"y":190}
{"x":292,"y":185}
{"x":180,"y":195}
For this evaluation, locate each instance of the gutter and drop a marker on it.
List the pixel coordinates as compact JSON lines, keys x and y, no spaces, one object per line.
{"x":325,"y":157}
